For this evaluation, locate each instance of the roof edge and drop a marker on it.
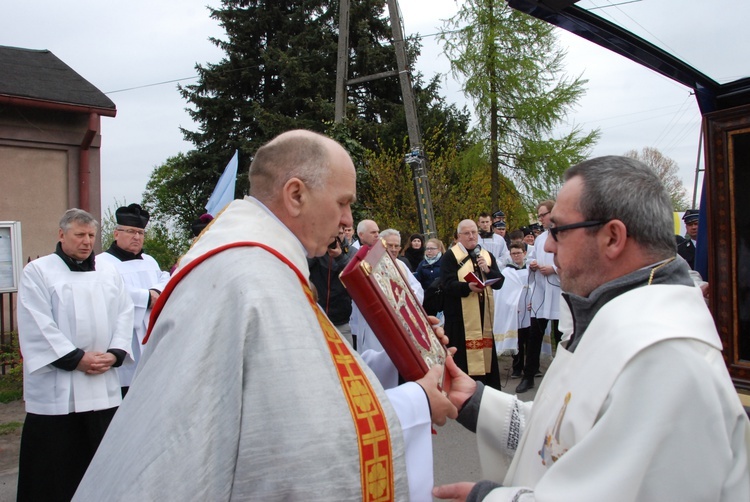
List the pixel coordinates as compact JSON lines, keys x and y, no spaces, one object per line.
{"x":56,"y":105}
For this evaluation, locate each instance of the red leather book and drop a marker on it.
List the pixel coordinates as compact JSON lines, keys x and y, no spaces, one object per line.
{"x":382,"y":293}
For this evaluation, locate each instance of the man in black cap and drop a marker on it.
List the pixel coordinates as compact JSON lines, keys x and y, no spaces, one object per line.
{"x":141,"y":274}
{"x":686,"y":248}
{"x":500,"y":228}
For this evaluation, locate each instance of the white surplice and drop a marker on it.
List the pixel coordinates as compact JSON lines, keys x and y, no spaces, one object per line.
{"x":236,"y":396}
{"x":511,"y":312}
{"x":60,"y":311}
{"x":139,"y":276}
{"x":498,"y":247}
{"x":546,"y":293}
{"x":644,"y":409}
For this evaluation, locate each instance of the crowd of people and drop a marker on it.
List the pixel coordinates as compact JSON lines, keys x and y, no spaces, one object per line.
{"x":249,"y":373}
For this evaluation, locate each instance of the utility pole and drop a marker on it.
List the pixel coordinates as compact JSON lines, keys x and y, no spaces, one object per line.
{"x":415,"y":158}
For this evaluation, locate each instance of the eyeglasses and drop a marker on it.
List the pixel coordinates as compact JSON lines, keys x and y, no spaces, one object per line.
{"x":540,"y":216}
{"x":553,"y":230}
{"x":469,"y":233}
{"x":393,"y":246}
{"x":430,"y":249}
{"x":130,"y":231}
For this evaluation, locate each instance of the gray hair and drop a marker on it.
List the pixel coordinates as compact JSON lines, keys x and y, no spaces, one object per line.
{"x":463,"y":223}
{"x":296,"y":154}
{"x":362,"y":225}
{"x":78,"y":216}
{"x":388,"y":232}
{"x":628,"y":190}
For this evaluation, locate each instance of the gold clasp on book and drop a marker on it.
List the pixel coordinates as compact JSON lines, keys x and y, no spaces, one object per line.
{"x":366,"y":267}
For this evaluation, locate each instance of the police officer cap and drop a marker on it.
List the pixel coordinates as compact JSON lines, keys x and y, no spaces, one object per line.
{"x":498,"y":214}
{"x":132,"y":216}
{"x":526,"y":231}
{"x":691,"y":215}
{"x":499,"y":224}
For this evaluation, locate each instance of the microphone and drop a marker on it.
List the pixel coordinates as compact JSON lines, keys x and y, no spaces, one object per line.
{"x":474,"y":253}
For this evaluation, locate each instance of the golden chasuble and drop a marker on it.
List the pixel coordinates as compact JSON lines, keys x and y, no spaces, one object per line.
{"x":477,"y":328}
{"x":375,"y":454}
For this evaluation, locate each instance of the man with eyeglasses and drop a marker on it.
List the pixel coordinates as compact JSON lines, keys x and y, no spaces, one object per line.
{"x":469,"y":308}
{"x":143,"y":278}
{"x":635,"y":406}
{"x":545,"y":299}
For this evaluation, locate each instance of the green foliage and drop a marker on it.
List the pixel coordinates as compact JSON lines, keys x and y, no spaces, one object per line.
{"x":278,"y":73}
{"x":9,"y":427}
{"x":668,"y":171}
{"x":164,"y":246}
{"x":458,"y":184}
{"x":512,"y":71}
{"x":11,"y":383}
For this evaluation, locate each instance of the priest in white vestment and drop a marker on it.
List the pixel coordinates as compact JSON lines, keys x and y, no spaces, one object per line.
{"x":141,"y":274}
{"x":246,"y":391}
{"x":74,"y":324}
{"x":635,"y":406}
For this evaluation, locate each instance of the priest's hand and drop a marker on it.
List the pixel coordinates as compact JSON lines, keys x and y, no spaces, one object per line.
{"x":462,"y":385}
{"x":475,"y":288}
{"x":456,"y":492}
{"x":96,"y":363}
{"x":440,"y":406}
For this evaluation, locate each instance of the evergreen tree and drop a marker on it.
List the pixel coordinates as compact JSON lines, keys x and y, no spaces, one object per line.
{"x":278,"y":74}
{"x":511,"y":69}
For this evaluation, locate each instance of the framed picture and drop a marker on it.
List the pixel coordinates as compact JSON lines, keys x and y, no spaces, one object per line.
{"x":10,"y":256}
{"x":728,"y":155}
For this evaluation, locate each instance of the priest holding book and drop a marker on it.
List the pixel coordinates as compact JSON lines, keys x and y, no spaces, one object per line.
{"x":467,"y":271}
{"x":246,"y":390}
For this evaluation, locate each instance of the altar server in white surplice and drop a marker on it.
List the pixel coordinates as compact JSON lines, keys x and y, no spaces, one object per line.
{"x":246,"y":391}
{"x":512,"y":311}
{"x":75,"y":319}
{"x":141,"y":274}
{"x":635,"y":407}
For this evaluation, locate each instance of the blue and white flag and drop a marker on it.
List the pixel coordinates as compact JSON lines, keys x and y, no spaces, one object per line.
{"x":224,"y":191}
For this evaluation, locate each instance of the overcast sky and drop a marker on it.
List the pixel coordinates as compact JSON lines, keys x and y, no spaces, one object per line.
{"x":120,"y":47}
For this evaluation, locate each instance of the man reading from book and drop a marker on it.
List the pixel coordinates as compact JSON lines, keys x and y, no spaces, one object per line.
{"x":469,"y":307}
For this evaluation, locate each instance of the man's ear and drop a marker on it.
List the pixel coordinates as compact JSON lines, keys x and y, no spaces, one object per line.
{"x":294,"y":196}
{"x":614,"y":237}
{"x":60,"y":234}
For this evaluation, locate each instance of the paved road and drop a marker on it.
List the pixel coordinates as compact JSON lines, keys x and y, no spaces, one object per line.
{"x":455,"y":448}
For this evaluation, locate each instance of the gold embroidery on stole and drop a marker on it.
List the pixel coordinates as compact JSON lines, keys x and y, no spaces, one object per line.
{"x":477,"y":331}
{"x":375,"y":454}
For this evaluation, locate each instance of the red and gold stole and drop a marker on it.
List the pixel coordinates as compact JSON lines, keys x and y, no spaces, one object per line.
{"x":370,"y":422}
{"x":477,"y":328}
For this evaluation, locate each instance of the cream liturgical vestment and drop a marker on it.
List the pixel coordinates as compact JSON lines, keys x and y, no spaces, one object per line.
{"x":617,"y":420}
{"x":139,"y":276}
{"x":245,"y":391}
{"x":60,"y":311}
